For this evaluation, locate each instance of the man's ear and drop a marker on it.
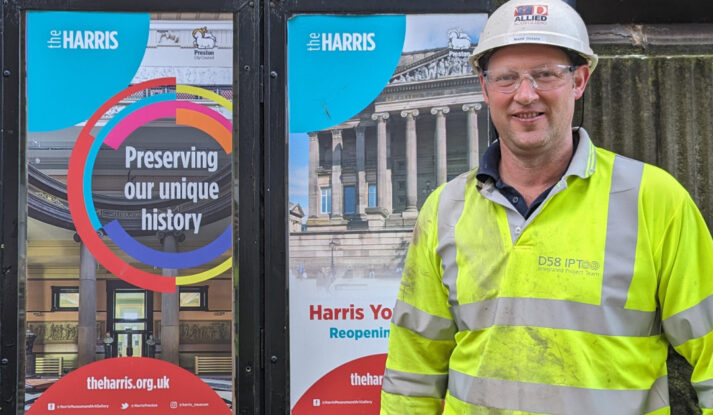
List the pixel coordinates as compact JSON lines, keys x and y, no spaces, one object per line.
{"x":485,"y":91}
{"x":581,"y":77}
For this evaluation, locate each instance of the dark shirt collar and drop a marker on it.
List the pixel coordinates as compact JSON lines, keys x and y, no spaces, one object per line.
{"x":490,"y":162}
{"x":489,"y":172}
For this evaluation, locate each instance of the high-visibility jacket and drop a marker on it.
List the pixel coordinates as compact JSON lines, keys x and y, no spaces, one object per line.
{"x":569,"y":311}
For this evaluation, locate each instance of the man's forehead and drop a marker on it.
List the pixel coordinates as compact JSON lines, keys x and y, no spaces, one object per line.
{"x":528,"y":52}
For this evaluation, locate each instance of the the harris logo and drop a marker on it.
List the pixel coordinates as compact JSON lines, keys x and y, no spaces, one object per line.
{"x":83,"y":39}
{"x":532,"y":13}
{"x":341,"y":42}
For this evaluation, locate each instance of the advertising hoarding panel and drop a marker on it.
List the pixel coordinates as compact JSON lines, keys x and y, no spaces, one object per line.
{"x":382,"y":110}
{"x":129,"y":236}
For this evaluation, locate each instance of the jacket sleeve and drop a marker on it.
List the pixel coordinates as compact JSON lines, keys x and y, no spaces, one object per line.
{"x":686,"y":294}
{"x":422,"y":328}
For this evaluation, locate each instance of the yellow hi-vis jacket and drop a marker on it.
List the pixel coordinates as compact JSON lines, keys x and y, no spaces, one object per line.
{"x":568,"y":312}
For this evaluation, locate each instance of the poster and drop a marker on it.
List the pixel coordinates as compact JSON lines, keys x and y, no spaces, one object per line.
{"x":129,"y":214}
{"x":382,"y":110}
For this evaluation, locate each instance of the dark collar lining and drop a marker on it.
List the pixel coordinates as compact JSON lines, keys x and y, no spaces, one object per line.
{"x":489,"y":172}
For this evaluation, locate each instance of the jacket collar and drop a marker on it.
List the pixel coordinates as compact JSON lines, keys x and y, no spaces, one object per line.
{"x":584,"y":160}
{"x":582,"y":164}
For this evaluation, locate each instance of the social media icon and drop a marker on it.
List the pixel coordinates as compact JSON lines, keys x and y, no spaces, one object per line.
{"x":316,"y":402}
{"x":124,"y":405}
{"x":173,"y":404}
{"x":50,"y":407}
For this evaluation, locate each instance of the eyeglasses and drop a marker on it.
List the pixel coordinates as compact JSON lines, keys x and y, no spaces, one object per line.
{"x":542,"y":78}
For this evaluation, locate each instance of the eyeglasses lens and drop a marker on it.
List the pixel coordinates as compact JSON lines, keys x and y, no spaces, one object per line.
{"x":543,"y":78}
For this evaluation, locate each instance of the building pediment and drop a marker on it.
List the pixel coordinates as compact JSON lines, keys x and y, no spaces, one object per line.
{"x":448,"y":62}
{"x":296,"y":210}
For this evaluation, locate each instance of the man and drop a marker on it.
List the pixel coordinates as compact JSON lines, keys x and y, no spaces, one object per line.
{"x":552,"y":279}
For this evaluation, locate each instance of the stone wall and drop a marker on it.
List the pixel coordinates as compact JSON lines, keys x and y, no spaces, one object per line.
{"x":650,"y":99}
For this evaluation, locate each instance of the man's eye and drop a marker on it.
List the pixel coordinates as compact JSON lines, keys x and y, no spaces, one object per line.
{"x":508,"y":77}
{"x":544,"y":75}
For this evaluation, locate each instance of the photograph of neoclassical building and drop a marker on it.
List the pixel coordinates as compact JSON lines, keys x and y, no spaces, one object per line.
{"x":369,"y":175}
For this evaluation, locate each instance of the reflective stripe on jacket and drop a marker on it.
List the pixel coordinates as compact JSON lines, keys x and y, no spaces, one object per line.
{"x":569,"y":311}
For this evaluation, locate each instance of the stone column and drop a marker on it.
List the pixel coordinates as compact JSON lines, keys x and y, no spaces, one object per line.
{"x":440,"y":142}
{"x":87,"y":326}
{"x":337,"y":188}
{"x":411,"y":162}
{"x":363,"y":189}
{"x":472,"y":133}
{"x":389,"y":203}
{"x":313,"y":187}
{"x":384,"y":198}
{"x":169,"y":306}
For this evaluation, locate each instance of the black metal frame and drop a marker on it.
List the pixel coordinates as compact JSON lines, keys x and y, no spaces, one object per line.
{"x":12,"y":297}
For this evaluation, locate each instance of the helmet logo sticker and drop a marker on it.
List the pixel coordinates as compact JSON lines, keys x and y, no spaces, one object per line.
{"x":531,"y":14}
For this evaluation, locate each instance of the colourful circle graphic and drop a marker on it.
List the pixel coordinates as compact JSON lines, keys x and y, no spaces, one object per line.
{"x":113,"y":134}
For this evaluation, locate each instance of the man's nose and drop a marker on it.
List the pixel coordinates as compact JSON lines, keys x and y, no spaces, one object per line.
{"x":525,"y":92}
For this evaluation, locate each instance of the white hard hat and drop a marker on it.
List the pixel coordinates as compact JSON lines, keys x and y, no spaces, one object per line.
{"x":544,"y":22}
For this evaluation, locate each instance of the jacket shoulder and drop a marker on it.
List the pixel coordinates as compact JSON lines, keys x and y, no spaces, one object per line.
{"x":656,"y":181}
